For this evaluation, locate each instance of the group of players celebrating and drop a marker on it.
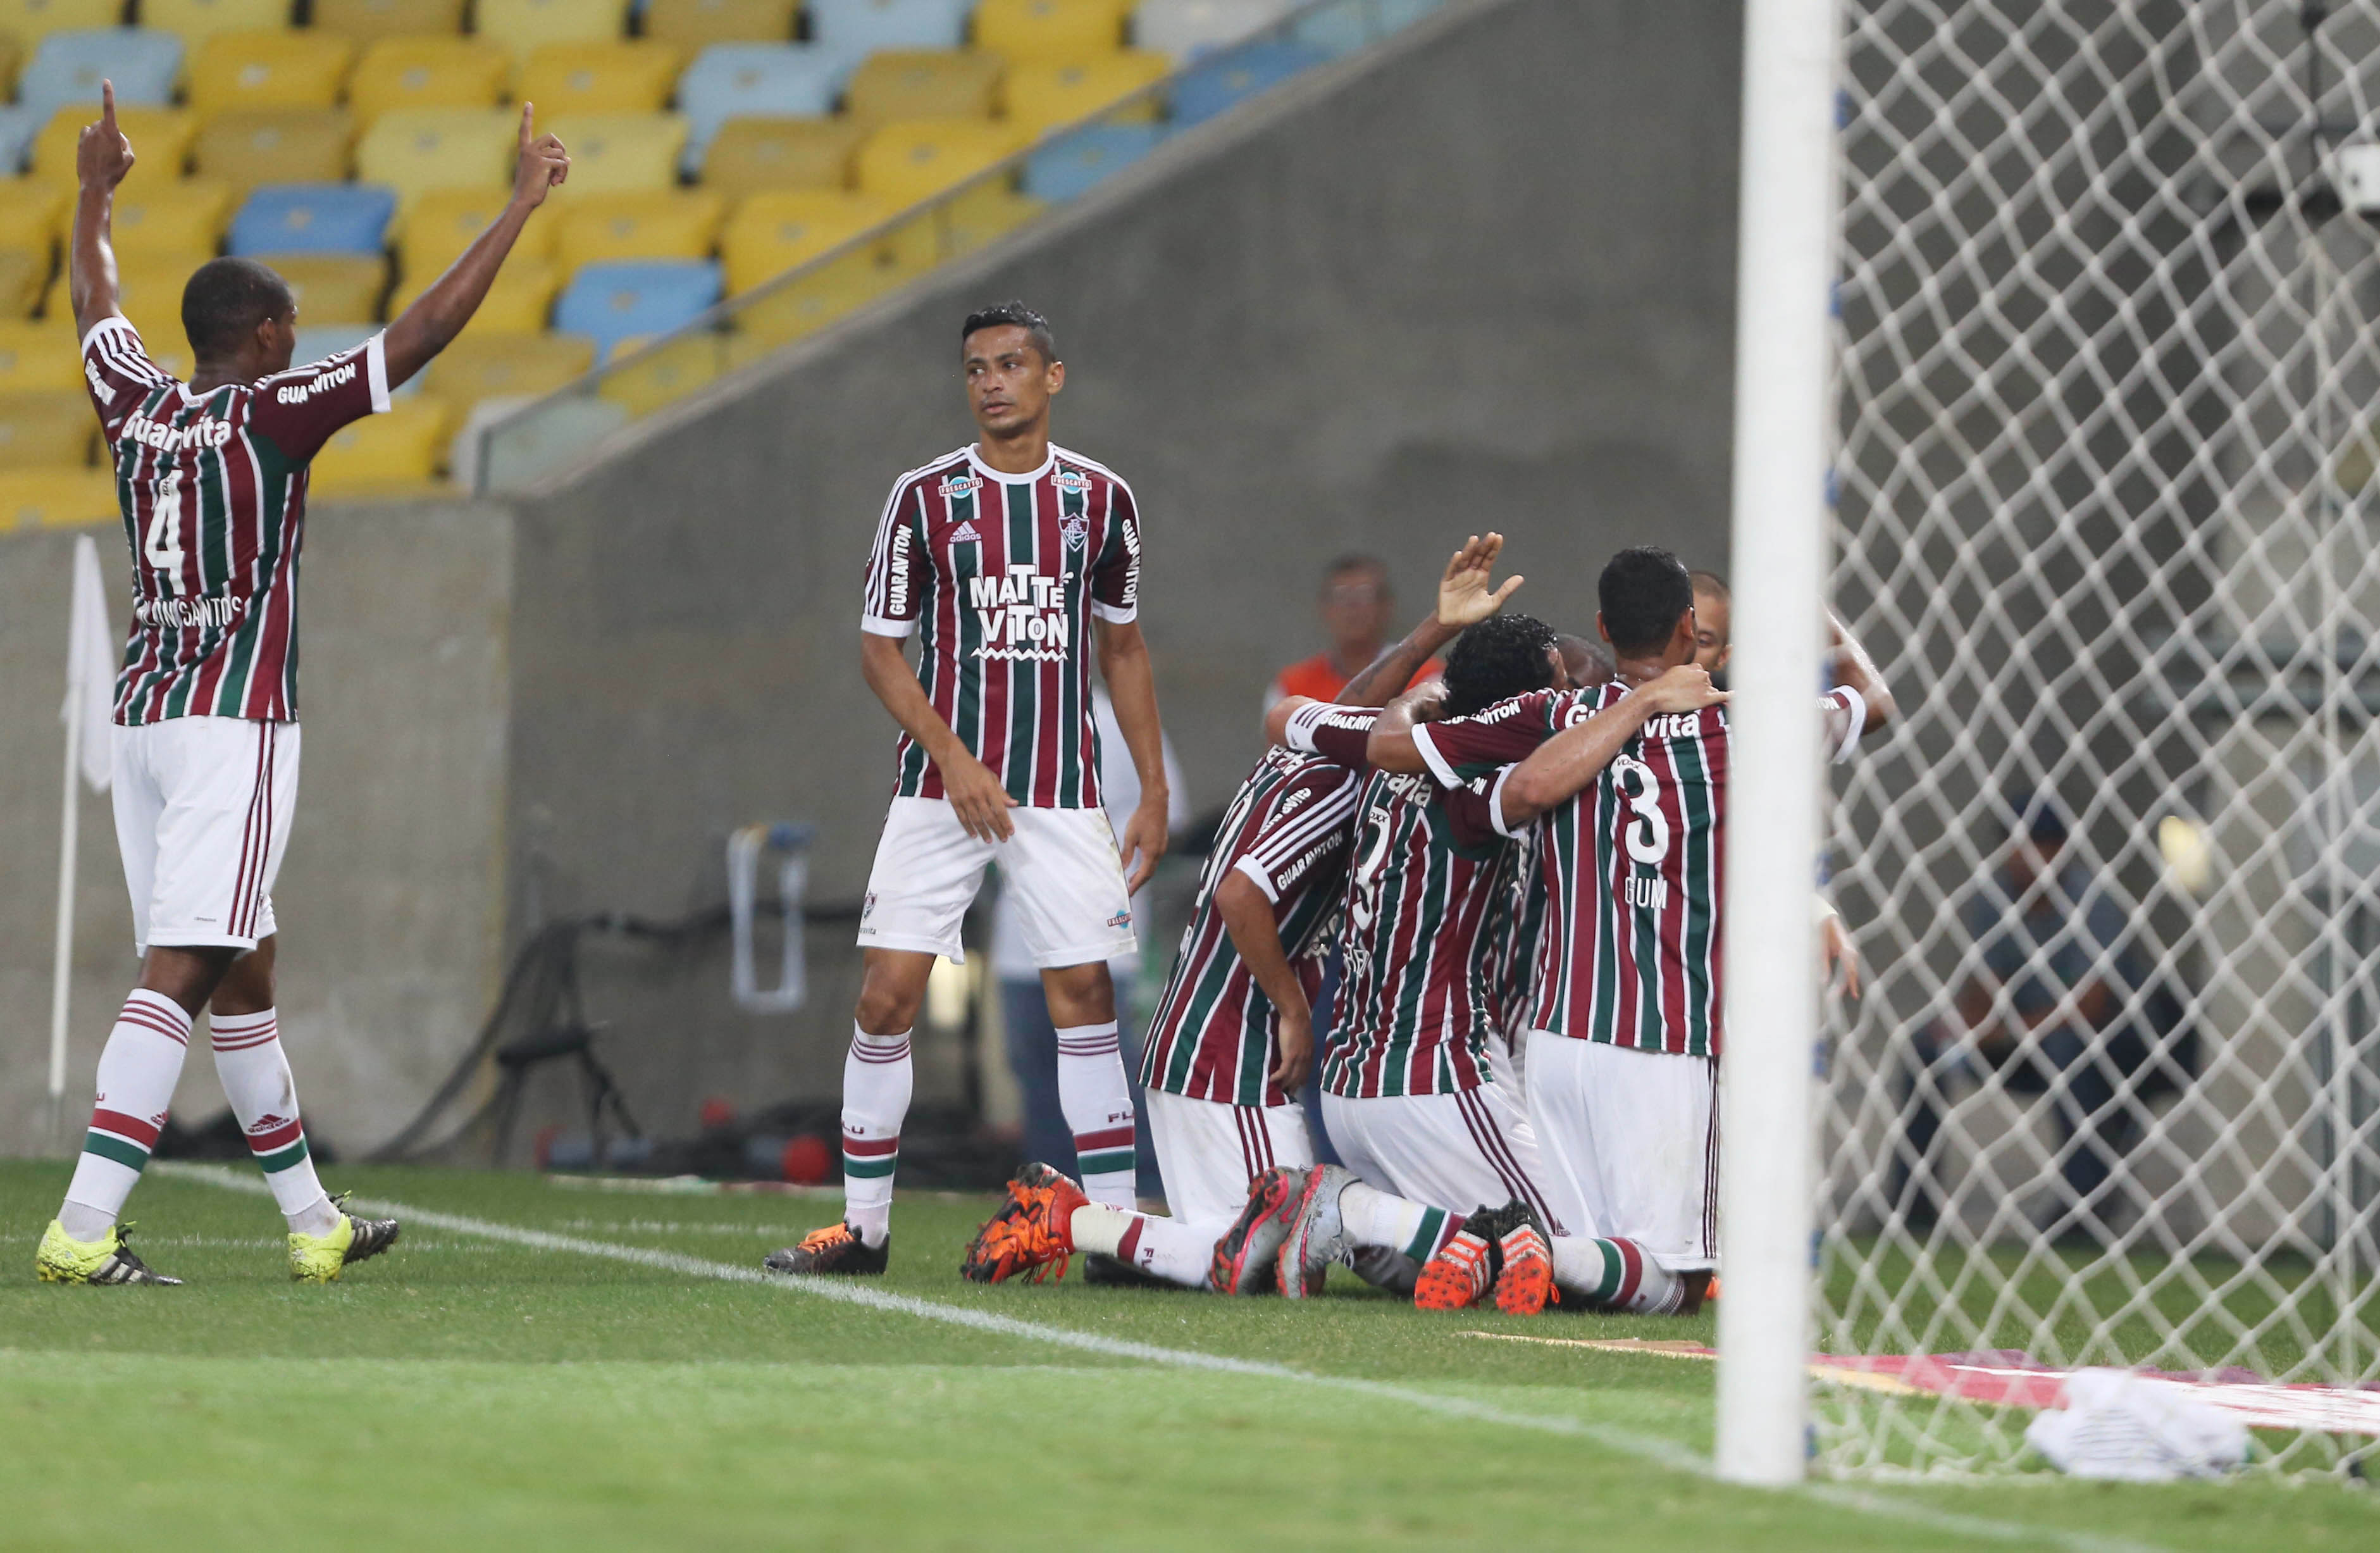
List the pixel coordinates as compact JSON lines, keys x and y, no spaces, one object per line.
{"x":1519,"y":862}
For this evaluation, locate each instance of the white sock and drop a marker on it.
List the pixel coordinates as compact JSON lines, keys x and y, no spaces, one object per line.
{"x":137,"y":1069}
{"x":256,"y":1079}
{"x":876,"y":1079}
{"x":1374,"y":1217}
{"x":1097,"y":1098}
{"x":1615,"y":1275}
{"x":1165,"y":1248}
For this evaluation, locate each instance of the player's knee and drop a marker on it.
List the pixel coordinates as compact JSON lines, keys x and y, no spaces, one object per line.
{"x":1079,"y":994}
{"x":886,"y":1008}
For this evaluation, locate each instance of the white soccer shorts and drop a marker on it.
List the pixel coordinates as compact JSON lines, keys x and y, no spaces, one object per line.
{"x":1631,"y":1144}
{"x":1208,"y":1151}
{"x":202,"y":810}
{"x":1472,"y":1149}
{"x":1071,"y":901}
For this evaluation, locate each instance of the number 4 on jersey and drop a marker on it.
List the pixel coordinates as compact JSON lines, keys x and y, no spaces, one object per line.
{"x":163,"y":545}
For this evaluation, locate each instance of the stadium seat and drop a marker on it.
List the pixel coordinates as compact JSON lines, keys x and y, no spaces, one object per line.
{"x":313,"y":218}
{"x":695,"y":25}
{"x":435,"y":233}
{"x":914,"y":159}
{"x":369,"y":21}
{"x":392,"y":454}
{"x":1186,"y":29}
{"x":616,"y":75}
{"x":1038,"y":98}
{"x":333,"y":288}
{"x":426,"y":73}
{"x":43,"y":354}
{"x":68,"y":67}
{"x":618,"y":154}
{"x":522,"y":25}
{"x":194,"y":21}
{"x":52,"y":428}
{"x":1050,"y":31}
{"x":983,"y":215}
{"x":751,"y":155}
{"x":920,"y":83}
{"x":734,"y":79}
{"x":1207,"y":89}
{"x":855,"y":28}
{"x":32,"y":213}
{"x":770,"y":233}
{"x":57,"y":499}
{"x":160,"y":219}
{"x":415,"y":150}
{"x":813,"y":300}
{"x":24,"y":272}
{"x":1070,"y":165}
{"x":269,"y":70}
{"x":148,"y":289}
{"x":1344,"y":30}
{"x":516,"y":304}
{"x":668,"y":374}
{"x":611,"y":302}
{"x":658,"y":224}
{"x":276,"y":145}
{"x":29,"y":21}
{"x":482,"y":367}
{"x":19,"y":123}
{"x":161,"y":135}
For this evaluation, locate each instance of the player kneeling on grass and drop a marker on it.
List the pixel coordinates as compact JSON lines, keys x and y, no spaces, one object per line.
{"x":212,"y":474}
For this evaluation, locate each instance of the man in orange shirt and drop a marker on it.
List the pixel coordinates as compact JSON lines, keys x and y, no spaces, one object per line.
{"x":1355,"y":607}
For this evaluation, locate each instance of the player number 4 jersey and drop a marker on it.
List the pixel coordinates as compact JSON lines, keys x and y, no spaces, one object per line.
{"x":1001,"y":577}
{"x":212,"y":488}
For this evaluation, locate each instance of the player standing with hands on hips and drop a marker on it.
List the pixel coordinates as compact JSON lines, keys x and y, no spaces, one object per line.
{"x":212,"y":475}
{"x":1013,"y":561}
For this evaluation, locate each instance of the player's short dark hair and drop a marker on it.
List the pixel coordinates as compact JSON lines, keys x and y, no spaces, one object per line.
{"x":1503,"y":655}
{"x":225,"y":301}
{"x":1710,"y":583}
{"x":1012,"y":316}
{"x":1641,"y":592}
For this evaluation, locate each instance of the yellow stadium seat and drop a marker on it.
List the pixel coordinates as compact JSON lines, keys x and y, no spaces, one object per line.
{"x":658,"y":224}
{"x":165,"y":220}
{"x":51,"y":429}
{"x":415,"y":150}
{"x":149,"y":292}
{"x":485,"y":366}
{"x":31,"y":214}
{"x":516,"y":304}
{"x":194,"y":21}
{"x":1049,"y":29}
{"x":39,"y":355}
{"x":57,"y":499}
{"x":23,"y":274}
{"x":426,"y":73}
{"x":750,"y":155}
{"x":279,"y":145}
{"x":914,"y":159}
{"x":613,"y":76}
{"x":160,"y":137}
{"x":435,"y":233}
{"x":924,"y":83}
{"x":12,"y":54}
{"x":979,"y":216}
{"x":772,"y":232}
{"x":809,"y":304}
{"x":395,"y":453}
{"x":677,"y":369}
{"x":268,"y":70}
{"x":619,"y":153}
{"x":522,"y":25}
{"x":1040,"y":97}
{"x":366,"y":20}
{"x":333,"y":288}
{"x":29,"y":21}
{"x":695,"y":25}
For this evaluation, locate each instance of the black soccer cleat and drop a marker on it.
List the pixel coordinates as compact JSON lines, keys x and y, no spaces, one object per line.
{"x":835,"y":1249}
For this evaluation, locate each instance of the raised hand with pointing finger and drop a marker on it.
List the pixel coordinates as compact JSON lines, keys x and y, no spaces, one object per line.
{"x":103,"y":156}
{"x":544,"y":164}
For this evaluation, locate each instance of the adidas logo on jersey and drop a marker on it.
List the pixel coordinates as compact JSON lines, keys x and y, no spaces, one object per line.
{"x":965,"y":534}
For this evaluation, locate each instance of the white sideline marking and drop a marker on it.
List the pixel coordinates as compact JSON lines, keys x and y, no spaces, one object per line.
{"x":1660,"y":1452}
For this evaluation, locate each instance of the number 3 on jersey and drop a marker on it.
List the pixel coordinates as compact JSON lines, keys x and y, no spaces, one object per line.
{"x":1648,"y":834}
{"x":163,"y":545}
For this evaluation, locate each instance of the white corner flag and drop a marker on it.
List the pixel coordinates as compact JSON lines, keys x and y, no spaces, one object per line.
{"x":88,"y":709}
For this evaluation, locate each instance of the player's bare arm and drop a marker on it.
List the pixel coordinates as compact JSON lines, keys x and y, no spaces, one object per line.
{"x":1467,"y":594}
{"x":1854,"y":669}
{"x":1564,"y":764}
{"x":438,"y":316}
{"x":1132,"y":690}
{"x":1391,"y":746}
{"x":1248,"y":918}
{"x":103,"y":156}
{"x":974,"y":794}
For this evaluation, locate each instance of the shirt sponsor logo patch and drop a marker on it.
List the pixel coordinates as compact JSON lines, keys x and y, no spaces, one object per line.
{"x":1072,"y":480}
{"x":958,"y":486}
{"x":1021,"y":615}
{"x":1122,"y":919}
{"x":205,"y":432}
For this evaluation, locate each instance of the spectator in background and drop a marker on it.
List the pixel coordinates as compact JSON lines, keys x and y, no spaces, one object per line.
{"x":1356,"y":605}
{"x":1712,"y":606}
{"x":1031,"y":1038}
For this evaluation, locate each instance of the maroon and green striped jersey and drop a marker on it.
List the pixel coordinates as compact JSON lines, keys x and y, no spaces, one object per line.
{"x":1215,"y":1034}
{"x":1001,"y":575}
{"x":1632,"y":865}
{"x":213,"y":487}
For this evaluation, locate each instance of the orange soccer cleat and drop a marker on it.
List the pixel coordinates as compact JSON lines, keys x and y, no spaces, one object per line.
{"x":1465,"y":1269}
{"x":1033,"y":1231}
{"x":1524,"y":1276}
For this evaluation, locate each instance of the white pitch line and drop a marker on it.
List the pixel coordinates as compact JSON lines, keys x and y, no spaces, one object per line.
{"x":1660,"y":1452}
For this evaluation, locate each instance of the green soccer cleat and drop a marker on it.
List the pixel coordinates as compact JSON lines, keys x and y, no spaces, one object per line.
{"x":63,"y":1259}
{"x":320,"y":1258}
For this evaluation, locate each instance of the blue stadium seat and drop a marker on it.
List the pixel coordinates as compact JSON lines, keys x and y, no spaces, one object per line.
{"x":19,"y":124}
{"x":856,"y":27}
{"x":728,"y":80}
{"x":314,"y":218}
{"x":611,"y":302}
{"x":68,"y":67}
{"x":1214,"y":86}
{"x":1069,"y":166}
{"x":1342,"y":29}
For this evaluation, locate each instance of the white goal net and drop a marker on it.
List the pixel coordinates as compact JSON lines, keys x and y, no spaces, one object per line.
{"x":2109,"y":356}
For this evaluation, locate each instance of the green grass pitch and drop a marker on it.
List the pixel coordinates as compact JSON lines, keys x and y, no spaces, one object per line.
{"x":466,"y":1392}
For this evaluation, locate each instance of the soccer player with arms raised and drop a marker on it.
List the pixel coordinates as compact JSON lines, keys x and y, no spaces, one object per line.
{"x":1013,"y":561}
{"x":212,"y":475}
